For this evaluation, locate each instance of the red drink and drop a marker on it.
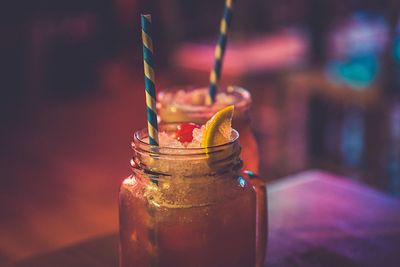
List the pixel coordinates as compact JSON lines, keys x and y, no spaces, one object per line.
{"x":184,"y":207}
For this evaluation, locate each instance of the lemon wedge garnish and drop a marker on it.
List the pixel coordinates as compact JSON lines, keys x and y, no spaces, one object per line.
{"x":219,"y":128}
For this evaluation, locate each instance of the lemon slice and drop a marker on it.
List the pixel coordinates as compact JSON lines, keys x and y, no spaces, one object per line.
{"x":219,"y":128}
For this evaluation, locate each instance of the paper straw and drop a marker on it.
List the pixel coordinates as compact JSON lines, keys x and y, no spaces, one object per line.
{"x":215,"y":74}
{"x":152,"y":124}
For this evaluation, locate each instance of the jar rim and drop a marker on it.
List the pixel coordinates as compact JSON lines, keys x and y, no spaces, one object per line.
{"x":140,"y":143}
{"x":242,"y":102}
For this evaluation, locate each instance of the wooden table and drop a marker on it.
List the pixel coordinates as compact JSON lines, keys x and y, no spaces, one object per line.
{"x":316,"y":219}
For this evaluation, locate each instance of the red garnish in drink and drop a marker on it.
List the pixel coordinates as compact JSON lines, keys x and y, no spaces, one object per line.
{"x":184,"y":132}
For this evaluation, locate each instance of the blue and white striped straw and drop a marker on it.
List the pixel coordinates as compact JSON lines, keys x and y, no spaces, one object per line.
{"x":149,"y":80}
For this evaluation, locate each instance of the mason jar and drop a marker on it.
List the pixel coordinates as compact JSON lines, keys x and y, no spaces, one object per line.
{"x":187,"y":207}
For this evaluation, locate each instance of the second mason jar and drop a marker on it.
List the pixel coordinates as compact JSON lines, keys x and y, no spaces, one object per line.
{"x":190,"y":105}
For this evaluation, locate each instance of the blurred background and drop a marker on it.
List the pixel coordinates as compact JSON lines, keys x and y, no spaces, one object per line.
{"x":324,"y":75}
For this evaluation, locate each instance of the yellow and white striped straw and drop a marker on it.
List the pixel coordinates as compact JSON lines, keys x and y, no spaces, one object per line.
{"x":215,"y":74}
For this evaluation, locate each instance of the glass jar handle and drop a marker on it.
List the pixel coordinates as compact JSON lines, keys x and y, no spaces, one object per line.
{"x":261,"y":216}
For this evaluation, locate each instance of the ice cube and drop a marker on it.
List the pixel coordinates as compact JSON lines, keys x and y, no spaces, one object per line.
{"x":225,"y":99}
{"x":198,"y":134}
{"x":180,"y":96}
{"x":198,"y":97}
{"x":168,"y":140}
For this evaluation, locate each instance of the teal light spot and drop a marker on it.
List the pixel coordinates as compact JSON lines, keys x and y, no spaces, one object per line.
{"x":396,"y":49}
{"x":242,"y":181}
